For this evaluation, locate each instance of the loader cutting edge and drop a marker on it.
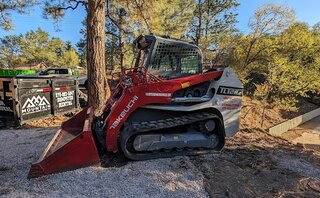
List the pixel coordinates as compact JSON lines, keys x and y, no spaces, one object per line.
{"x":72,"y":147}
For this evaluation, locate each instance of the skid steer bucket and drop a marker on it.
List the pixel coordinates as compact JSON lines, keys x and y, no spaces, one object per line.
{"x":72,"y":147}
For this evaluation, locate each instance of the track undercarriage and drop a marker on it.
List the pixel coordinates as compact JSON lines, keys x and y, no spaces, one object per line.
{"x":192,"y":134}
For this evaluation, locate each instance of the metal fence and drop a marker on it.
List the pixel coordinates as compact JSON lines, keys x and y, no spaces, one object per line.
{"x":23,"y":99}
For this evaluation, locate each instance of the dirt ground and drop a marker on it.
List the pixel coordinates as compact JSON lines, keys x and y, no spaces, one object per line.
{"x":176,"y":177}
{"x":255,"y":164}
{"x":307,"y":134}
{"x":254,"y":115}
{"x":252,"y":164}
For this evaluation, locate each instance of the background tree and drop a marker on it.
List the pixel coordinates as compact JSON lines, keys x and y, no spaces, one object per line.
{"x":36,"y":47}
{"x":144,"y":16}
{"x":212,"y":19}
{"x":10,"y":50}
{"x":294,"y":67}
{"x":316,"y":27}
{"x":117,"y":36}
{"x":82,"y":52}
{"x":82,"y":46}
{"x":128,"y":19}
{"x":278,"y":60}
{"x":268,"y":20}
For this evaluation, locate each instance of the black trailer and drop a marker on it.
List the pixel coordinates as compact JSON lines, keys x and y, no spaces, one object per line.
{"x":23,"y":99}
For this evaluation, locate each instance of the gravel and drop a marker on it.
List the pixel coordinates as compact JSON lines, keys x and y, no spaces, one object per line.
{"x":174,"y":177}
{"x":300,"y":166}
{"x":253,"y":164}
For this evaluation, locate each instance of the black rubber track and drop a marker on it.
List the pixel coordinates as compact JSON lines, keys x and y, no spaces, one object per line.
{"x":130,"y":130}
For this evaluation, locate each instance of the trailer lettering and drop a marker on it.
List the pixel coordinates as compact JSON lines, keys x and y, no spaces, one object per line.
{"x":3,"y":107}
{"x":124,"y":112}
{"x":35,"y":104}
{"x":65,"y":99}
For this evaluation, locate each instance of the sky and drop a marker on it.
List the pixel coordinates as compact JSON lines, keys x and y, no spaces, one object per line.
{"x":70,"y":26}
{"x":305,"y":10}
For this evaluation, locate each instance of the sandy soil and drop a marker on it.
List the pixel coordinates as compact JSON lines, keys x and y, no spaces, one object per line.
{"x":253,"y":164}
{"x":307,"y":134}
{"x":51,"y":121}
{"x":176,"y":177}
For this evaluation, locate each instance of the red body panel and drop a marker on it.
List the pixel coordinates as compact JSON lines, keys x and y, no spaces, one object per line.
{"x":137,"y":96}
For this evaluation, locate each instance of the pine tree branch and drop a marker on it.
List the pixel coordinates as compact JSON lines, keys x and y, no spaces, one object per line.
{"x":142,"y":15}
{"x":4,"y":19}
{"x":112,"y":34}
{"x":73,"y":7}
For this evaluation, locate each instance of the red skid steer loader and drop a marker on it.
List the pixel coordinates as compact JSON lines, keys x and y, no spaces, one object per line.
{"x":164,"y":106}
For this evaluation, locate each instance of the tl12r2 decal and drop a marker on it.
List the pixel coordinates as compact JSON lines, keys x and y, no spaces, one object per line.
{"x":229,"y":91}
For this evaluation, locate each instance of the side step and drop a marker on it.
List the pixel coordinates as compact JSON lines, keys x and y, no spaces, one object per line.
{"x":72,"y":147}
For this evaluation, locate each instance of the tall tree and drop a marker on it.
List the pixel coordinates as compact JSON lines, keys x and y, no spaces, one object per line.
{"x":128,"y":19}
{"x":99,"y":90}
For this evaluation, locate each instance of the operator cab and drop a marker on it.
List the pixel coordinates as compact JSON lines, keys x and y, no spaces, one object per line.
{"x":168,"y":58}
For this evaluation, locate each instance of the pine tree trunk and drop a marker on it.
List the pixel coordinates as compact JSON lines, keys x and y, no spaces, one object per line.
{"x":99,"y":91}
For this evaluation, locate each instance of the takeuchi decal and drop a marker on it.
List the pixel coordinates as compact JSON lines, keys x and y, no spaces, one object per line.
{"x":124,"y":112}
{"x":35,"y":104}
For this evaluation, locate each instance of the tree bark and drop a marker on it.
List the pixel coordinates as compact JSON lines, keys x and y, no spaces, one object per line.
{"x":98,"y":88}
